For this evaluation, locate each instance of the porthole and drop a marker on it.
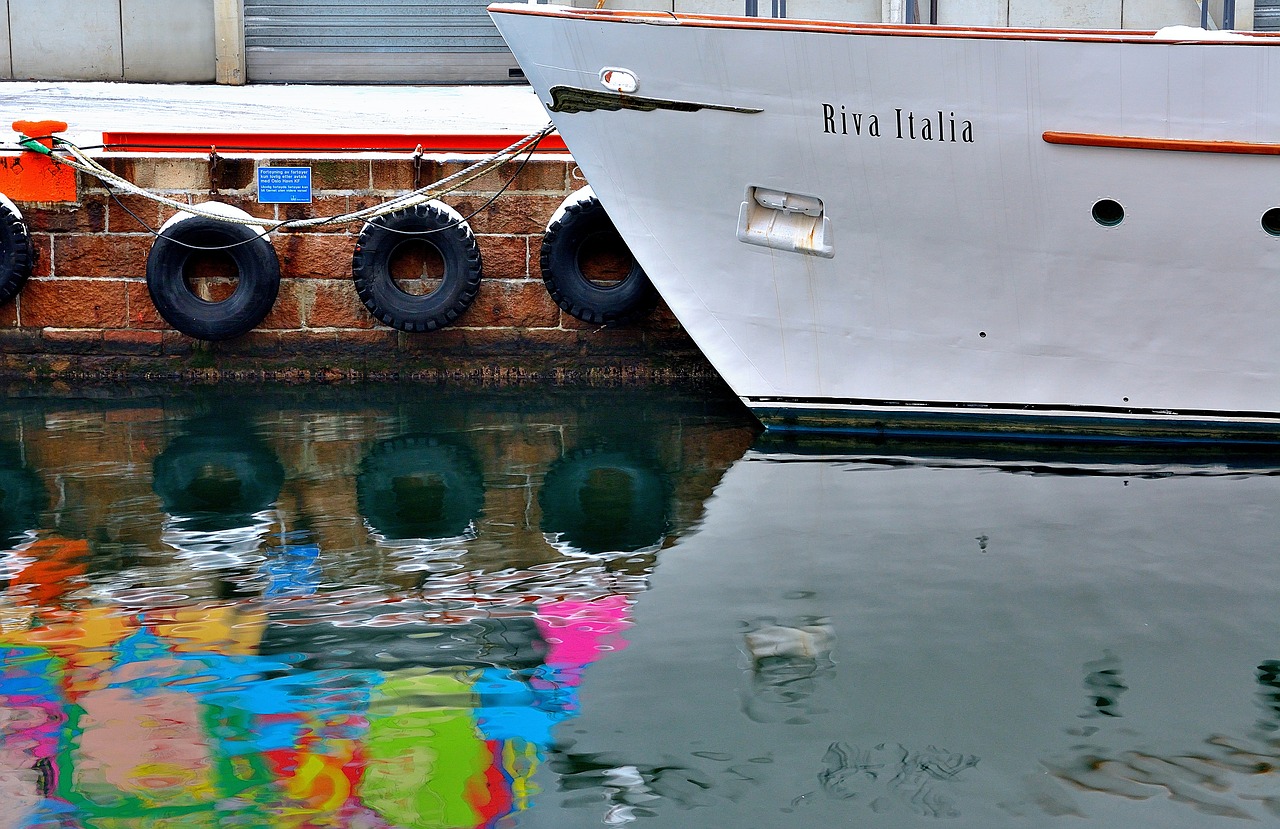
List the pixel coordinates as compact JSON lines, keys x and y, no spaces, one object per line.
{"x":1271,"y":221}
{"x":1108,"y":212}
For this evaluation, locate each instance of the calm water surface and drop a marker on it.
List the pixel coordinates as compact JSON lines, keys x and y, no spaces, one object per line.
{"x":424,"y":608}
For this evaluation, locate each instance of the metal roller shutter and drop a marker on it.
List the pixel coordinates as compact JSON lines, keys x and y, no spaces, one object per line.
{"x":374,"y":41}
{"x":1266,"y":15}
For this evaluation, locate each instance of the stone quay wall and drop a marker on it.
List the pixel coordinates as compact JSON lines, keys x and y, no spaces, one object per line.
{"x":86,"y":312}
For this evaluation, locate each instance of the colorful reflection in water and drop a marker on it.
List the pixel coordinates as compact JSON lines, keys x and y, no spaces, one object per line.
{"x":255,"y":610}
{"x":209,"y":713}
{"x":374,"y":607}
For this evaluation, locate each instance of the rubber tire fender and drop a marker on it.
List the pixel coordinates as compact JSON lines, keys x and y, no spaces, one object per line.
{"x":439,"y":226}
{"x":575,"y":224}
{"x":258,"y":283}
{"x":16,"y":257}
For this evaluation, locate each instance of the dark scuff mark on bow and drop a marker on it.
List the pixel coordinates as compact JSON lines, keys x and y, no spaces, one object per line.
{"x":570,"y":99}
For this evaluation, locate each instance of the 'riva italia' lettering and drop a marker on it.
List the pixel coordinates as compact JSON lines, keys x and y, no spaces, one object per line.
{"x":907,"y":125}
{"x":922,"y":127}
{"x":840,"y":122}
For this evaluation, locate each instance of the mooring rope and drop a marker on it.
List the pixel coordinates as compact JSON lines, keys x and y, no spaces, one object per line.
{"x":77,"y":159}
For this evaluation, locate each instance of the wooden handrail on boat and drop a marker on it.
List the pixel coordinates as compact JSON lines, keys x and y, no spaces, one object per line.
{"x":1181,"y":145}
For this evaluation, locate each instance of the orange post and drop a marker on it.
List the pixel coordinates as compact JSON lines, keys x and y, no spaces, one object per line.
{"x":33,"y":177}
{"x":42,"y":131}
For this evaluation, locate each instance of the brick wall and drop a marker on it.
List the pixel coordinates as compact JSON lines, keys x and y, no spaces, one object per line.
{"x":86,"y":310}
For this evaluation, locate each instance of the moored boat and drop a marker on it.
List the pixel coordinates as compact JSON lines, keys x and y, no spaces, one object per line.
{"x":942,"y":229}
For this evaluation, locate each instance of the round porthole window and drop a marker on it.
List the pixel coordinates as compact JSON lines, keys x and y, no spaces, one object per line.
{"x":1108,"y":212}
{"x":1271,"y":221}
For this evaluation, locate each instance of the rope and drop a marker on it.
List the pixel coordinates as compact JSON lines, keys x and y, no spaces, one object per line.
{"x":528,"y":154}
{"x":78,"y":159}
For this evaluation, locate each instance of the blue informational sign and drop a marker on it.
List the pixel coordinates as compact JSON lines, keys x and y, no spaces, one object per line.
{"x":284,"y":185}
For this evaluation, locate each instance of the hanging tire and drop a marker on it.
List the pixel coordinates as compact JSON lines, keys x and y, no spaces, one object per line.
{"x":16,"y":256}
{"x":580,"y":225}
{"x":246,"y":248}
{"x":437,"y":226}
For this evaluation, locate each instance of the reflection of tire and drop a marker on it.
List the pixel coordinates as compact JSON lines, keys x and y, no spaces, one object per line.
{"x":15,"y":250}
{"x":603,"y":501}
{"x":257,"y":282}
{"x":582,"y":223}
{"x":221,"y":479}
{"x":22,"y":499}
{"x":419,"y":488}
{"x":434,"y":224}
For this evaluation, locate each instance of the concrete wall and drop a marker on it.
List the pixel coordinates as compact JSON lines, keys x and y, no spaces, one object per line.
{"x":66,"y":39}
{"x":1091,"y":14}
{"x":111,"y":40}
{"x":1153,"y":14}
{"x":182,"y":51}
{"x":973,"y":12}
{"x":86,"y":310}
{"x":6,"y":61}
{"x":854,"y":10}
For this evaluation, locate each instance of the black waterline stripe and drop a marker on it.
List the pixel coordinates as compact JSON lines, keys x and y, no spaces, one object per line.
{"x":1009,"y":408}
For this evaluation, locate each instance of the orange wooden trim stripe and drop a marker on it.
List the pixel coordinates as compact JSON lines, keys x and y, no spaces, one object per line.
{"x":852,"y":28}
{"x":1181,"y":145}
{"x":201,"y":142}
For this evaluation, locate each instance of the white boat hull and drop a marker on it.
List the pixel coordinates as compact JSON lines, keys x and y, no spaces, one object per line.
{"x":969,"y":282}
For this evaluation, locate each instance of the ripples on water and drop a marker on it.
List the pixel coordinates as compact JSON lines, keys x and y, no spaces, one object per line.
{"x":330,"y":608}
{"x":427,"y":608}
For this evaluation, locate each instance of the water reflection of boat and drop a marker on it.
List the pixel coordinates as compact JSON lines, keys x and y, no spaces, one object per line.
{"x":1002,"y":641}
{"x":1114,"y":457}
